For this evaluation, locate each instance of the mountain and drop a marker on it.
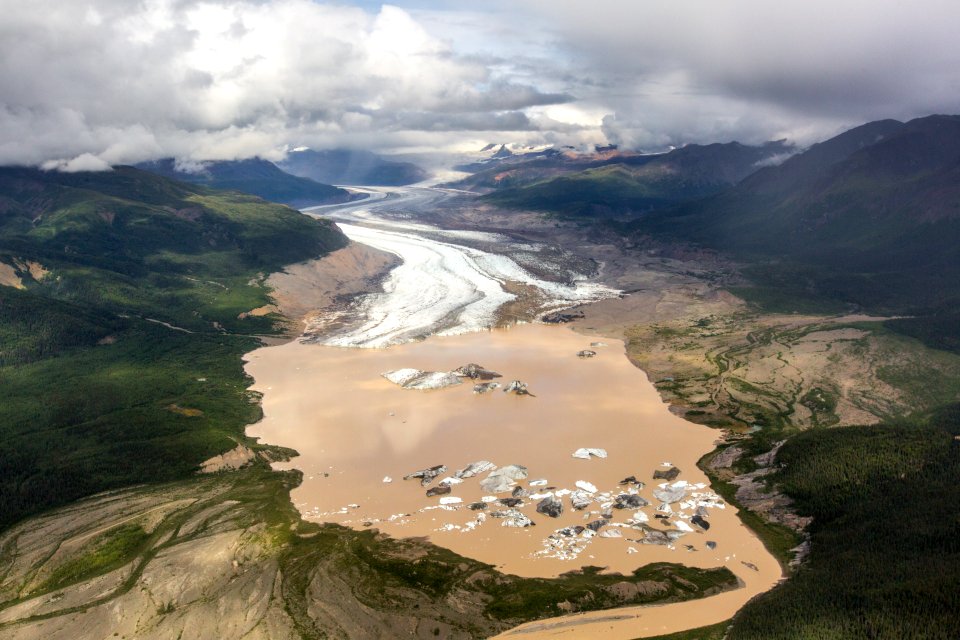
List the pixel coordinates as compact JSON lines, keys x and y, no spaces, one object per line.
{"x":632,"y":184}
{"x":344,"y":166}
{"x":254,"y":176}
{"x":871,"y":216}
{"x":121,"y":337}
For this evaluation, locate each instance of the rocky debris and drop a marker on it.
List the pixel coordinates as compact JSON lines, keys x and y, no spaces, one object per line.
{"x":511,"y":502}
{"x":519,"y":492}
{"x":475,"y":372}
{"x":663,"y":507}
{"x":632,"y":480}
{"x":477,"y":506}
{"x":580,"y":499}
{"x":550,"y":507}
{"x":611,"y":533}
{"x":586,"y":353}
{"x":702,"y":512}
{"x":598,"y":344}
{"x":423,"y":380}
{"x":750,"y":565}
{"x":606,"y":514}
{"x":700,"y":522}
{"x":669,"y":475}
{"x":562,"y":317}
{"x":519,"y":388}
{"x":711,"y":545}
{"x":596,"y":525}
{"x":503,"y":479}
{"x":485,"y":387}
{"x":671,"y":493}
{"x":653,"y":536}
{"x":630,"y":501}
{"x":238,"y":457}
{"x":586,"y":486}
{"x":584,"y":453}
{"x":474,"y":469}
{"x":439,"y":490}
{"x":752,"y":490}
{"x":568,"y":532}
{"x":426,"y":475}
{"x":513,"y":518}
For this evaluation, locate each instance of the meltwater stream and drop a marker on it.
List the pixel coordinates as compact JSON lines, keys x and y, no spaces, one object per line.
{"x":443,"y":286}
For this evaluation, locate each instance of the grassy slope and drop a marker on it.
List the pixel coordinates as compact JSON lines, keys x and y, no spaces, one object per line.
{"x":256,"y":177}
{"x":93,"y":389}
{"x":635,"y":185}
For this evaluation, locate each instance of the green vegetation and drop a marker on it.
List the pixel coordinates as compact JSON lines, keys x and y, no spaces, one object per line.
{"x":89,"y":373}
{"x":623,"y":184}
{"x":254,"y":176}
{"x":778,"y":539}
{"x":885,"y":557}
{"x":868,"y":219}
{"x":712,"y":632}
{"x":109,"y":551}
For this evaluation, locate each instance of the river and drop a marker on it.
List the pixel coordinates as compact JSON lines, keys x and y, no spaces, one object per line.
{"x":358,"y":434}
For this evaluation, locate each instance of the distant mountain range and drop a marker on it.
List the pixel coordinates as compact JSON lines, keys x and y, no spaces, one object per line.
{"x":613,"y":183}
{"x":344,"y":166}
{"x":254,"y":176}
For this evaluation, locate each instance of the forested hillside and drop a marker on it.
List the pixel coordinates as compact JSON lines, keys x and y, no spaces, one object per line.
{"x":120,"y":343}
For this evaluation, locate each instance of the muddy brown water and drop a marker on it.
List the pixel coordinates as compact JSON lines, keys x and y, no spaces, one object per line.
{"x":353,"y":428}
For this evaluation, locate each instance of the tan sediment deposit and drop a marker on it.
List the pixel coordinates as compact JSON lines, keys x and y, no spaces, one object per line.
{"x":317,"y":287}
{"x":355,"y":430}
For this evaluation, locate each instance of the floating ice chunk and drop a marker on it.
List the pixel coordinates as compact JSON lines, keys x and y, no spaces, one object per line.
{"x":538,"y":483}
{"x":666,"y":464}
{"x":580,"y":499}
{"x":503,"y":478}
{"x":450,"y":500}
{"x":586,"y":486}
{"x":670,"y":494}
{"x":449,"y":480}
{"x":585,"y":453}
{"x":475,"y":468}
{"x":664,"y":508}
{"x":387,"y":479}
{"x":683,"y":526}
{"x":488,"y":499}
{"x":417,"y":379}
{"x":639,"y":518}
{"x":631,"y":550}
{"x":611,"y":533}
{"x":562,"y":492}
{"x":541,"y":496}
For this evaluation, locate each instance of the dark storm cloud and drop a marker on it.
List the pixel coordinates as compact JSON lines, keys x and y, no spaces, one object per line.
{"x":755,"y":69}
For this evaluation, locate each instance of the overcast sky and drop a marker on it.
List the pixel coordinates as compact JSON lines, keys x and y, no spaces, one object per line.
{"x":88,"y":83}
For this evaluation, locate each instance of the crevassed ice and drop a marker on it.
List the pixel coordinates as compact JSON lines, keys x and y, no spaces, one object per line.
{"x":443,"y":288}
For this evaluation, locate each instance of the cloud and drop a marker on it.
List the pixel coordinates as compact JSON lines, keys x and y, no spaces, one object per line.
{"x":223,"y":79}
{"x":692,"y":71}
{"x":83,"y":162}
